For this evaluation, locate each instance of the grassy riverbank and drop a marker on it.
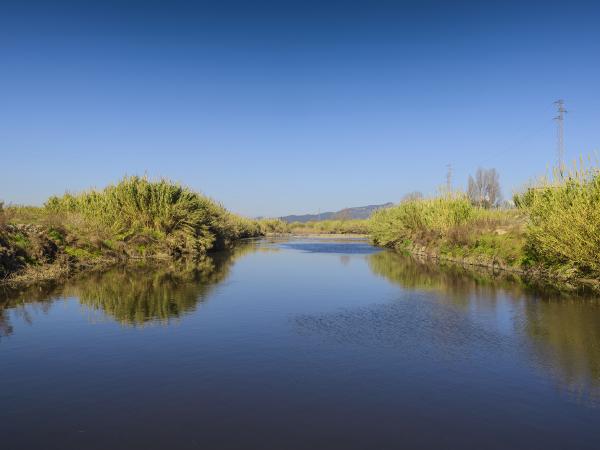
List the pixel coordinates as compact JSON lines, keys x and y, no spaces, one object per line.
{"x":330,"y":227}
{"x":317,"y":227}
{"x":554,"y":230}
{"x":133,"y":219}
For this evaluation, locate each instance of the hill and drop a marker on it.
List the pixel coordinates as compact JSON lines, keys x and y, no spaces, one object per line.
{"x":359,"y":212}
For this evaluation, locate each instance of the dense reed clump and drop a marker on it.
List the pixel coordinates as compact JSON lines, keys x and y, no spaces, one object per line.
{"x":160,"y":213}
{"x":273,"y":226}
{"x":420,"y":220}
{"x":554,"y":229}
{"x":135,"y":218}
{"x":450,"y":225}
{"x":563,"y":230}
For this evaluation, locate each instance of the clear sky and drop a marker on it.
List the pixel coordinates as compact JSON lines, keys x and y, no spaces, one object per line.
{"x":291,"y":106}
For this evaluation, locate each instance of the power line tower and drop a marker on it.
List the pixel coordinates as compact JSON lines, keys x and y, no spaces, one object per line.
{"x":560,"y":134}
{"x":449,"y":178}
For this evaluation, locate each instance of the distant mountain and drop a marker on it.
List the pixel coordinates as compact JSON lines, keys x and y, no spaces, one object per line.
{"x":359,"y":212}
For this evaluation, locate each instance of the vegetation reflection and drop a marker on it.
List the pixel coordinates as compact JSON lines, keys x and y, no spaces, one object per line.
{"x":562,"y":331}
{"x":132,"y":294}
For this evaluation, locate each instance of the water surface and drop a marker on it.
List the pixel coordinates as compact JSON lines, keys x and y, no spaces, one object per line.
{"x":298,"y":345}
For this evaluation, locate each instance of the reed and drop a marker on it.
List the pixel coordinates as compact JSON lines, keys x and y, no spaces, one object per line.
{"x":563,"y":230}
{"x":349,"y":226}
{"x":158,"y":211}
{"x":135,"y":218}
{"x":450,"y":225}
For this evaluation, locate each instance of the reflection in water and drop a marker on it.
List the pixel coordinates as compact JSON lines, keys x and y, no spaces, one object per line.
{"x":137,"y":295}
{"x":37,"y":297}
{"x":365,"y":348}
{"x":563,"y":330}
{"x":560,"y":333}
{"x":132,"y":294}
{"x":457,"y":284}
{"x":566,"y":335}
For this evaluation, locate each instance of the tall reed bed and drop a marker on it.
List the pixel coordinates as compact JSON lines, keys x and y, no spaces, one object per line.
{"x":449,"y":224}
{"x":419,"y":220}
{"x":153,"y":212}
{"x":563,"y":231}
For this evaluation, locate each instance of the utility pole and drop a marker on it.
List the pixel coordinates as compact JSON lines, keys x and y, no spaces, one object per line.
{"x":560,"y":134}
{"x":449,"y":177}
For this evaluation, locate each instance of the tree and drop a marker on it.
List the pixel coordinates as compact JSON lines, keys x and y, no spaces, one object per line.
{"x":412,"y":196}
{"x":484,"y":189}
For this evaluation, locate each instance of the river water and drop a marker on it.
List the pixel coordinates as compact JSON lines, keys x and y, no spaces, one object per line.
{"x":298,"y":344}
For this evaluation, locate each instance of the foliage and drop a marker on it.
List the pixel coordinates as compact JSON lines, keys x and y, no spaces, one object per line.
{"x":563,"y":231}
{"x":452,"y":226}
{"x":154,"y":212}
{"x":273,"y":226}
{"x":417,"y":219}
{"x":353,"y":226}
{"x":135,"y":218}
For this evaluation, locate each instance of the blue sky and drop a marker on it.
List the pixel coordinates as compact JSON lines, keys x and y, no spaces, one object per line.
{"x":283,"y":107}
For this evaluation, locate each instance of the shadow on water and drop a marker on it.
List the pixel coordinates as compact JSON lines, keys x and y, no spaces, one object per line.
{"x":133,"y":295}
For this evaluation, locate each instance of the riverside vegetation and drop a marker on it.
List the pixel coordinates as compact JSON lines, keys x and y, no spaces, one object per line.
{"x":135,"y":219}
{"x":553,"y":230}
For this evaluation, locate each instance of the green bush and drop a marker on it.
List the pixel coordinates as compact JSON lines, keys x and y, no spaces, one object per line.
{"x":563,"y":231}
{"x":420,"y":220}
{"x":277,"y":226}
{"x":154,"y":212}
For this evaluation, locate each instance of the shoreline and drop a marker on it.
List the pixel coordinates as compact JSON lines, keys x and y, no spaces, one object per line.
{"x":531,"y":275}
{"x":65,"y":268}
{"x":339,"y":236}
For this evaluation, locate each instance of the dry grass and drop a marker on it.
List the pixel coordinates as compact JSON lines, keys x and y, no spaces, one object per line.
{"x":356,"y":226}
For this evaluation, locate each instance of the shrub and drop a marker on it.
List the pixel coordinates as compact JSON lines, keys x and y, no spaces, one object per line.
{"x":162,"y":211}
{"x":420,"y":220}
{"x":273,"y":226}
{"x":564,"y":222}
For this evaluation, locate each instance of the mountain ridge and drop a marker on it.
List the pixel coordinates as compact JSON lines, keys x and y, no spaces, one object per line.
{"x":357,"y":212}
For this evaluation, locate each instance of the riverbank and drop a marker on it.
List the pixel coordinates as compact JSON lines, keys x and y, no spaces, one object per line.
{"x":136,"y":219}
{"x":537,"y":275}
{"x":551,"y":234}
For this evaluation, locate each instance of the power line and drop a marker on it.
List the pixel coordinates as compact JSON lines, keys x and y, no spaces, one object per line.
{"x":560,"y":134}
{"x":449,"y":177}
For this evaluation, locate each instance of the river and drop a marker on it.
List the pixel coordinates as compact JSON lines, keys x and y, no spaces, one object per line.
{"x":298,"y":344}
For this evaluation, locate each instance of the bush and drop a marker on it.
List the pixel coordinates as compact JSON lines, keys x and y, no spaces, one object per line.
{"x":276,"y":226}
{"x":420,"y":220}
{"x":153,"y":212}
{"x":564,"y":223}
